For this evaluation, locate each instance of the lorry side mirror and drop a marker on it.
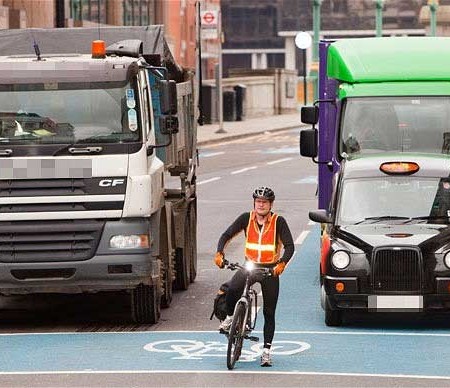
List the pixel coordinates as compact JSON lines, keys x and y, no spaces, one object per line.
{"x":168,"y":95}
{"x":320,"y":216}
{"x":310,"y":114}
{"x":308,"y":143}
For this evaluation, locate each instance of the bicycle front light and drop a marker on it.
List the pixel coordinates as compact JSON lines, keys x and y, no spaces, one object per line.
{"x":249,"y":265}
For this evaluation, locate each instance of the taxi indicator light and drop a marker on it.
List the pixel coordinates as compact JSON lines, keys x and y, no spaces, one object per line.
{"x":340,"y":287}
{"x":399,"y":168}
{"x":98,"y":49}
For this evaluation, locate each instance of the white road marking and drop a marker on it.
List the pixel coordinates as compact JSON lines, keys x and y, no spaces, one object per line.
{"x":311,"y":222}
{"x":301,"y":238}
{"x":243,"y":170}
{"x":209,"y":180}
{"x":234,"y":372}
{"x":278,"y":161}
{"x":363,"y":333}
{"x":208,"y":155}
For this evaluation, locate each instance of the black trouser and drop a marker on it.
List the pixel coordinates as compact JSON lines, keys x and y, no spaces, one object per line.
{"x":270,"y":287}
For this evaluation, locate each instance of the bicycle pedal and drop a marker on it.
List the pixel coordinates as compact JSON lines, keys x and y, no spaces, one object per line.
{"x":252,"y":338}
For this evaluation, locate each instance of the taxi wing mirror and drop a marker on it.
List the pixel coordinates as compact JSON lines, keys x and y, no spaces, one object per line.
{"x":320,"y":216}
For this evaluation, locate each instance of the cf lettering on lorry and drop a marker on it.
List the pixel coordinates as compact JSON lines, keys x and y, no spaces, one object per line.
{"x":87,"y":142}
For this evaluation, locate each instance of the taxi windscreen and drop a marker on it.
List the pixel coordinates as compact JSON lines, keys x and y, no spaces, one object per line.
{"x":394,"y":199}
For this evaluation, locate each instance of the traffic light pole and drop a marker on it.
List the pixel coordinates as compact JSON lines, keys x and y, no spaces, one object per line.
{"x":315,"y":48}
{"x":433,"y":8}
{"x":379,"y":17}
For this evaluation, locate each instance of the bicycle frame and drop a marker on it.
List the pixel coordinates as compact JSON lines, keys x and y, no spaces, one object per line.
{"x":249,"y":298}
{"x":243,"y":323}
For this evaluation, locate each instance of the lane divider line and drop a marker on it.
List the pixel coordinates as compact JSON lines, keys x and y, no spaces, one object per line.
{"x":278,"y":161}
{"x":211,"y":154}
{"x":299,"y":240}
{"x":209,"y":180}
{"x":234,"y":372}
{"x":243,"y":170}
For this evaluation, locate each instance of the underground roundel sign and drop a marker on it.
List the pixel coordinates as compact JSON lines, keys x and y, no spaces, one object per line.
{"x":209,"y":19}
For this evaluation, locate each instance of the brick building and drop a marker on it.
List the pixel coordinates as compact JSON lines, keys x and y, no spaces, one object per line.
{"x":251,"y":26}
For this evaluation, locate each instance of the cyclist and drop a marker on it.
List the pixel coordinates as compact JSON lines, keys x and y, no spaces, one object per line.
{"x":266,"y":234}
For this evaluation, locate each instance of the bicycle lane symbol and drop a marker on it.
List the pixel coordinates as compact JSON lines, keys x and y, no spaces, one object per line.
{"x":197,"y":350}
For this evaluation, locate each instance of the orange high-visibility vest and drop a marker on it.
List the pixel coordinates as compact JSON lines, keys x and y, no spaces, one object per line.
{"x":261,"y":245}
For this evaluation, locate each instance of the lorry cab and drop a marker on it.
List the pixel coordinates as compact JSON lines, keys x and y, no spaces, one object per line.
{"x":378,"y":95}
{"x":386,"y":244}
{"x":87,"y":143}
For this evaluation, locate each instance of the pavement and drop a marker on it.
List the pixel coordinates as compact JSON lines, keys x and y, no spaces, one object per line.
{"x":207,"y":134}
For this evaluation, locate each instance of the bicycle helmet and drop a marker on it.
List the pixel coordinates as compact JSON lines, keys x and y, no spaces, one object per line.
{"x":264,"y":192}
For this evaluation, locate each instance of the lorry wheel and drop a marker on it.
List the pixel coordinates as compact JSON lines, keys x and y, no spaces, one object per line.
{"x":181,"y":269}
{"x":166,"y":259}
{"x":332,"y":317}
{"x":145,"y":304}
{"x":167,"y":279}
{"x":193,"y":240}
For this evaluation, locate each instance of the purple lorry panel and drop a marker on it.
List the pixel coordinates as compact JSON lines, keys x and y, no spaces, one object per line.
{"x":327,"y":128}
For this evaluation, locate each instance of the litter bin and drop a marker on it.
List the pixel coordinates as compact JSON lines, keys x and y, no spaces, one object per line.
{"x":209,"y":104}
{"x":241,"y":91}
{"x":229,"y":105}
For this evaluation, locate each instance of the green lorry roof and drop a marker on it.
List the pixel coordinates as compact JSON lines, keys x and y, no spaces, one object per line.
{"x":390,"y":59}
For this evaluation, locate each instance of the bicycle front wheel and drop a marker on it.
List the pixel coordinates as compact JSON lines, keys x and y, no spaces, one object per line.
{"x":236,"y":336}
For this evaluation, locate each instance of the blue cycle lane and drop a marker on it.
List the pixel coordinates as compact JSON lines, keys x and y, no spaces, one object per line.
{"x":302,"y":344}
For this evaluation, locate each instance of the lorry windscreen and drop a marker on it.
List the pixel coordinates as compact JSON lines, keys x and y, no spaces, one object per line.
{"x":394,"y":199}
{"x":60,"y":113}
{"x":377,"y":124}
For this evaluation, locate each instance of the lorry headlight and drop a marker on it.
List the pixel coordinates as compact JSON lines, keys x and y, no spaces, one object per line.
{"x":447,"y":259}
{"x":129,"y":241}
{"x":340,"y":259}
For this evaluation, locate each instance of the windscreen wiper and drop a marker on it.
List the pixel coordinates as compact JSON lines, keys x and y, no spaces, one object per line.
{"x":382,"y":218}
{"x":427,"y":218}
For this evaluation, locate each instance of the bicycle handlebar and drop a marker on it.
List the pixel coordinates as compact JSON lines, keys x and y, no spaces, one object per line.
{"x":234,"y":266}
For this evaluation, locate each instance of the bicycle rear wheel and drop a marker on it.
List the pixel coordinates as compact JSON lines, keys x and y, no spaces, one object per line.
{"x":236,"y":336}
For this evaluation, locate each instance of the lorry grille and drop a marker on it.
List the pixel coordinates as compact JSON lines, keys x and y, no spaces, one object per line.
{"x":396,"y":269}
{"x":55,"y":241}
{"x":42,"y":187}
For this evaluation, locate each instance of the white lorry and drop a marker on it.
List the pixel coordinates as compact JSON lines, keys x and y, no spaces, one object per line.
{"x":87,"y":142}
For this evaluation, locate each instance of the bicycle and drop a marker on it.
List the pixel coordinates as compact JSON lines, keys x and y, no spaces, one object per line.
{"x":243,"y":323}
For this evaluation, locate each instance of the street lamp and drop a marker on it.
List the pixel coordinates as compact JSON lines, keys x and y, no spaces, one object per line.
{"x":434,"y":4}
{"x":303,"y":41}
{"x":379,"y":17}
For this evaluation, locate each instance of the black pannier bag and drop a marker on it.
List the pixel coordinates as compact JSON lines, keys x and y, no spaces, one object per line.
{"x":220,"y":304}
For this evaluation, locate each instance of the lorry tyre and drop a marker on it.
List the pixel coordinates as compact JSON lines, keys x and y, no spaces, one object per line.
{"x":332,"y":317}
{"x":193,"y":240}
{"x":181,"y":269}
{"x":166,"y":258}
{"x":145,"y":304}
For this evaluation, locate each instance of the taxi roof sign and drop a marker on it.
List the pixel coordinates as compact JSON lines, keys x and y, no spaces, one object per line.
{"x":399,"y":168}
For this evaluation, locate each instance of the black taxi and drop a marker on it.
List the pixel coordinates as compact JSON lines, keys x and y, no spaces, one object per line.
{"x":386,"y":241}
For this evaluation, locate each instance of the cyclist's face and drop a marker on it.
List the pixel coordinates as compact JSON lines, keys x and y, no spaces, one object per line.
{"x":262,"y":206}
